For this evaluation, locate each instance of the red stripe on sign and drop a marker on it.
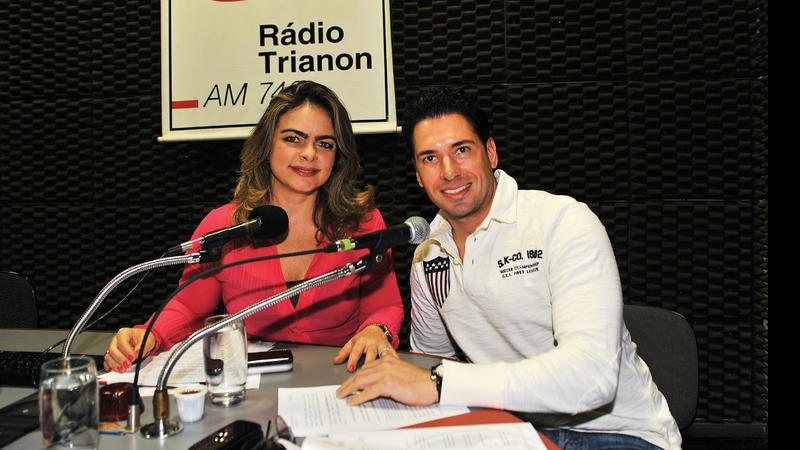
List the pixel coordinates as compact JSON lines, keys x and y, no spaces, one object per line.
{"x":184,"y":104}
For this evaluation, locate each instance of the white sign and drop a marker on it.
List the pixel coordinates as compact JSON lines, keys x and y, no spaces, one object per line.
{"x":223,"y":60}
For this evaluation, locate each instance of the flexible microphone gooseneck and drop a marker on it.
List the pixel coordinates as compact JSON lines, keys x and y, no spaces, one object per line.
{"x":414,"y":230}
{"x":133,"y":400}
{"x":266,"y":222}
{"x":160,"y":262}
{"x":162,"y":426}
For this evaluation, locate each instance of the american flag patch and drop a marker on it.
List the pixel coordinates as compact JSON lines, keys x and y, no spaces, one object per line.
{"x":437,"y":275}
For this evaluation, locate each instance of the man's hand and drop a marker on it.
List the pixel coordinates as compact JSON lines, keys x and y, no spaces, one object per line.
{"x":390,"y":377}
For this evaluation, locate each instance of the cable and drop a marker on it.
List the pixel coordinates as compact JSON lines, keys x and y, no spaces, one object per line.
{"x":94,"y":322}
{"x":134,"y":398}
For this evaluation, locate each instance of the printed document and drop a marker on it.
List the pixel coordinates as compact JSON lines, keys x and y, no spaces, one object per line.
{"x":506,"y":436}
{"x":315,"y":411}
{"x":189,"y":368}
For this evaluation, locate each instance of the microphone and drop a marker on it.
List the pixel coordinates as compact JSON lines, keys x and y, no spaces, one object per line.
{"x":266,"y":222}
{"x":162,"y":425}
{"x":413,"y":231}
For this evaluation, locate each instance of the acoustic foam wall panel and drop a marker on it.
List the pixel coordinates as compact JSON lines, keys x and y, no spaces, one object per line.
{"x":694,"y":139}
{"x":569,"y":138}
{"x":44,"y":51}
{"x":708,"y":38}
{"x":653,"y":113}
{"x":570,"y":40}
{"x":44,"y":156}
{"x":438,"y":42}
{"x":126,"y":48}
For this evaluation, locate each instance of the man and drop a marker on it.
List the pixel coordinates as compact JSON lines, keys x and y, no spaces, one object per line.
{"x":524,"y":283}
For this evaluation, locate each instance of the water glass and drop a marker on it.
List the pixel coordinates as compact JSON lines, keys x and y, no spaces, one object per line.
{"x":225,"y":361}
{"x":68,"y":403}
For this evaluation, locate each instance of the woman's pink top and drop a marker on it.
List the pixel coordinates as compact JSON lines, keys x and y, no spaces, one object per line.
{"x":329,"y":314}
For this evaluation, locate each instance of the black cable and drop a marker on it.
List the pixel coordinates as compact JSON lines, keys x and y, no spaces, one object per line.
{"x":134,"y":398}
{"x":44,"y":352}
{"x":77,"y":396}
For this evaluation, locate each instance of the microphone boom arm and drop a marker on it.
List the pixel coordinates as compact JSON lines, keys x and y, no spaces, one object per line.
{"x":122,"y":276}
{"x":346,"y":270}
{"x":163,"y":427}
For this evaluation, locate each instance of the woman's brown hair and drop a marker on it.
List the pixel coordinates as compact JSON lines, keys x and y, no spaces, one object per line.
{"x":340,"y":204}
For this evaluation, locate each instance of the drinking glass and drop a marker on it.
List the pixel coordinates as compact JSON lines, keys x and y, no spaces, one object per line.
{"x":225,"y":360}
{"x":68,"y":403}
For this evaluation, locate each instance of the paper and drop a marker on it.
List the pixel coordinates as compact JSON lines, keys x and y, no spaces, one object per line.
{"x":189,"y":368}
{"x":315,"y":411}
{"x":508,"y":436}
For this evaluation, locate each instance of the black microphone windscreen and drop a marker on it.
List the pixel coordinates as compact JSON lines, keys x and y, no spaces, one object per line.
{"x":274,"y":221}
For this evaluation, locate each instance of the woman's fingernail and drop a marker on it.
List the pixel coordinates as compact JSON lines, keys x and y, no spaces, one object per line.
{"x":350,"y":368}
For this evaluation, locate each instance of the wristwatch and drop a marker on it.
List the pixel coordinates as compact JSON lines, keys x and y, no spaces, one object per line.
{"x":385,"y":330}
{"x":436,"y":377}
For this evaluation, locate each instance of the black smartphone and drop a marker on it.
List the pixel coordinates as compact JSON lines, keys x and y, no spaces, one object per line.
{"x":232,"y":436}
{"x":274,"y":360}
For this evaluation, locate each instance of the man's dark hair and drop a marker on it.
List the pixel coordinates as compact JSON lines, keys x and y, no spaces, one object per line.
{"x":437,"y":102}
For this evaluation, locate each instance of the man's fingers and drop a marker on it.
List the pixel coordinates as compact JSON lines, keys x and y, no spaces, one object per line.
{"x":368,"y":384}
{"x":363,"y":395}
{"x":356,"y":382}
{"x":347,"y":388}
{"x":389,"y":377}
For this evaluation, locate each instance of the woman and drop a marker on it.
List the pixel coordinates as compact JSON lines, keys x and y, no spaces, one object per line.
{"x":302,"y":157}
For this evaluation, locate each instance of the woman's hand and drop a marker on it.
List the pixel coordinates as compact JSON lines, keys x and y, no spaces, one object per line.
{"x":124,"y":348}
{"x":370,"y":342}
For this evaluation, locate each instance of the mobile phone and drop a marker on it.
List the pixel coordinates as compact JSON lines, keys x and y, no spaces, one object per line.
{"x":274,"y":360}
{"x":232,"y":436}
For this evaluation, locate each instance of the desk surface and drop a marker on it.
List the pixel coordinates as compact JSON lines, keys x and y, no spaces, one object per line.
{"x":312,"y":367}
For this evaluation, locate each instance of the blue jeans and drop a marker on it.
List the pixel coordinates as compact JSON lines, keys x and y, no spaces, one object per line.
{"x":578,"y":440}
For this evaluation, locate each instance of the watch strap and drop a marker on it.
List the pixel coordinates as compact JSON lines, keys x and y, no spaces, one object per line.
{"x":436,"y":377}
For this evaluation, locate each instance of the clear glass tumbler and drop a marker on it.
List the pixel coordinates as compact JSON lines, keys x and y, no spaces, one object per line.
{"x":225,"y":360}
{"x":68,"y":403}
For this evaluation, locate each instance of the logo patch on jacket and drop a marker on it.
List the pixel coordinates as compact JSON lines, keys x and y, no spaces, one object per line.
{"x":437,"y":275}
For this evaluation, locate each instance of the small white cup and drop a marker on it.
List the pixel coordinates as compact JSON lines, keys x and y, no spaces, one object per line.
{"x":191,"y":401}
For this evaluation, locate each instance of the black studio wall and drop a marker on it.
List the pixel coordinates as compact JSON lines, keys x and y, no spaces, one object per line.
{"x":654,"y":113}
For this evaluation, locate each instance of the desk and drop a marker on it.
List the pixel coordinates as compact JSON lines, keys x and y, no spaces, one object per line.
{"x":312,"y":367}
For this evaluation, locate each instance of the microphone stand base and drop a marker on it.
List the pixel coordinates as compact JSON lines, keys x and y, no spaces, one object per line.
{"x":161,"y":429}
{"x":134,"y":416}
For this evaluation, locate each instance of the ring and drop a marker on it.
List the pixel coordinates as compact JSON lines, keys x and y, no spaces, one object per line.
{"x":384,"y":350}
